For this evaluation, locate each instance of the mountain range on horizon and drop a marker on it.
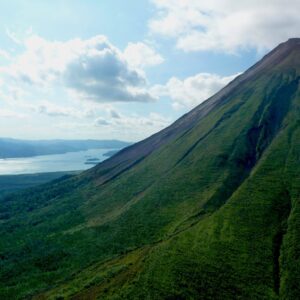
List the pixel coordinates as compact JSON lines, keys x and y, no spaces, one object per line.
{"x":208,"y":208}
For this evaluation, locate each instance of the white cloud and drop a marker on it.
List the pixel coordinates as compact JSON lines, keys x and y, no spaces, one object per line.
{"x":153,"y":121}
{"x":7,"y":113}
{"x":193,"y":90}
{"x":91,"y":69}
{"x":11,"y":94}
{"x":132,"y":127}
{"x":140,"y":55}
{"x":114,"y":114}
{"x":54,"y":110}
{"x":101,"y":122}
{"x":118,"y":120}
{"x":227,"y":25}
{"x":4,"y":54}
{"x":12,"y":36}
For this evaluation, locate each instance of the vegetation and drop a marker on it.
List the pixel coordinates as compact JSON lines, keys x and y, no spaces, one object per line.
{"x":212,"y":213}
{"x":13,"y":183}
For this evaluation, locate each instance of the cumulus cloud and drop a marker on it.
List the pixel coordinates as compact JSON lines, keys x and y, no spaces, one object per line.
{"x":53,"y":110}
{"x":227,"y":25}
{"x":132,"y":127}
{"x":115,"y":119}
{"x":140,"y":55}
{"x":12,"y":36}
{"x":193,"y":90}
{"x":114,"y":114}
{"x":11,"y":94}
{"x":4,"y":54}
{"x":91,"y":69}
{"x":7,"y":113}
{"x":101,"y":122}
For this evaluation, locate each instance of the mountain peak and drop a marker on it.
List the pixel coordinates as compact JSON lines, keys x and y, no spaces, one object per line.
{"x":290,"y":44}
{"x":272,"y":59}
{"x":293,"y":41}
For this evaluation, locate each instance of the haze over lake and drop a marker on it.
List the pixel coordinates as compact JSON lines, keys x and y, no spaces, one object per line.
{"x":71,"y":161}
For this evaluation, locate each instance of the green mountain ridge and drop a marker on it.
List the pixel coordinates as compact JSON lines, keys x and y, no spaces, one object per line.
{"x":208,"y":208}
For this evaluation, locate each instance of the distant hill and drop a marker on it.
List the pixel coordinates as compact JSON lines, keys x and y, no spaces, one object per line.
{"x":208,"y":208}
{"x":14,"y":183}
{"x":10,"y":148}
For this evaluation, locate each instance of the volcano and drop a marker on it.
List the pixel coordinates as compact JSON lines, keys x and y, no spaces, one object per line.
{"x":208,"y":208}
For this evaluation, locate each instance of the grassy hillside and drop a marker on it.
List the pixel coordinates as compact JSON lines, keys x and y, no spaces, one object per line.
{"x":206,"y":209}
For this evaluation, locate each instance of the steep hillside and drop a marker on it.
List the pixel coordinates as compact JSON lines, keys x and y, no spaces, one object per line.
{"x":206,"y":209}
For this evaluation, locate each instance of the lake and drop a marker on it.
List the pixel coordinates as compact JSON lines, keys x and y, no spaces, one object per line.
{"x":71,"y":161}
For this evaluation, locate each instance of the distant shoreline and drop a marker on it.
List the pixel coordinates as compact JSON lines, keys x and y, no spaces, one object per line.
{"x":12,"y":148}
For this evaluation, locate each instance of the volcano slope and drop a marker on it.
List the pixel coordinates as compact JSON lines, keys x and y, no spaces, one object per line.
{"x":208,"y":208}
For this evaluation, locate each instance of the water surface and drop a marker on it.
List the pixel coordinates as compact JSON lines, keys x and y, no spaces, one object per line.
{"x":71,"y":161}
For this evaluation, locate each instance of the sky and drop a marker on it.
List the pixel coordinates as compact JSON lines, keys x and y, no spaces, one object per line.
{"x":115,"y":69}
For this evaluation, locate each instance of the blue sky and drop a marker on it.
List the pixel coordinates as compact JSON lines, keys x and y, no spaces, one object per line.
{"x":125,"y":69}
